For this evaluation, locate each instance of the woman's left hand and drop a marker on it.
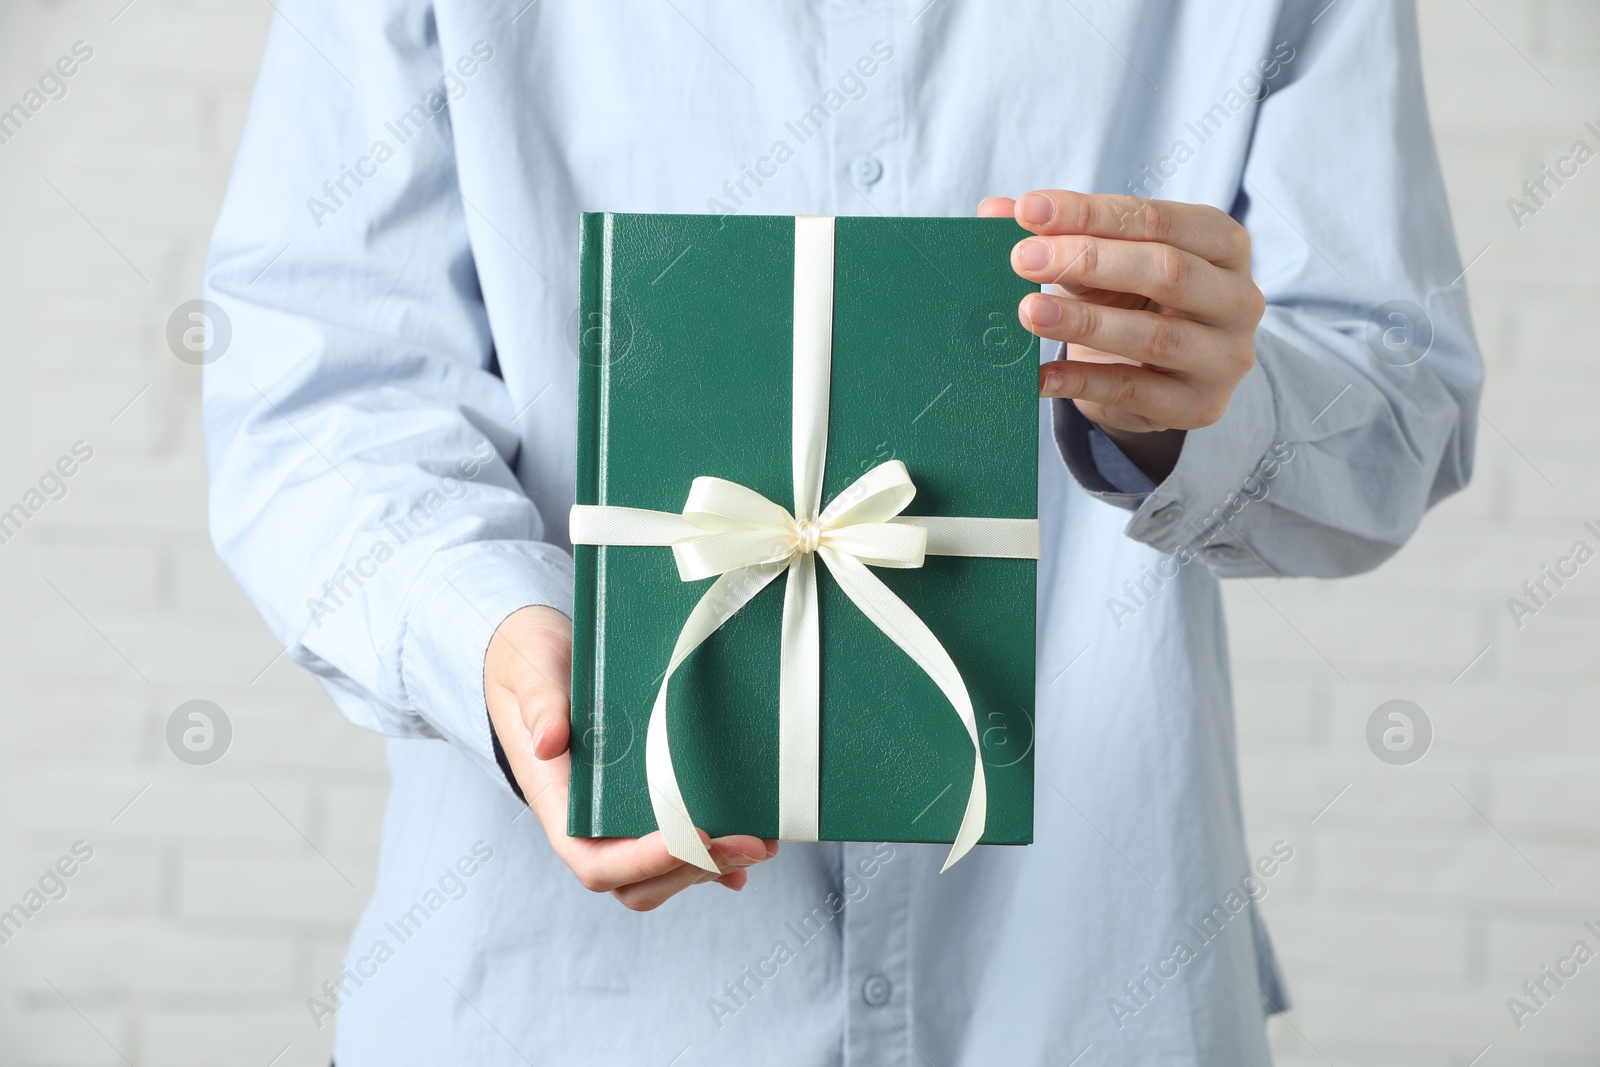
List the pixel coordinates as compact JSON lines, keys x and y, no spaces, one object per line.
{"x":1155,"y":303}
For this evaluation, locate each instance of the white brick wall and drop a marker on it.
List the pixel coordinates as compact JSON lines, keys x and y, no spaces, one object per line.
{"x":205,"y":916}
{"x":1416,"y":917}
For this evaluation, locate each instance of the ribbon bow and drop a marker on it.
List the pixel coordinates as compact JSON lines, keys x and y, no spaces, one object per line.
{"x":742,"y":528}
{"x":746,"y":540}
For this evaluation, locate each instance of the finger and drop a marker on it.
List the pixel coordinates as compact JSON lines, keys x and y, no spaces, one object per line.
{"x":1160,"y":399}
{"x":1162,"y":340}
{"x":1170,"y":276}
{"x":1104,"y":297}
{"x":1199,"y":229}
{"x":603,"y":864}
{"x":735,"y":849}
{"x":651,"y":894}
{"x":997,"y":207}
{"x":737,"y":878}
{"x":654,"y":892}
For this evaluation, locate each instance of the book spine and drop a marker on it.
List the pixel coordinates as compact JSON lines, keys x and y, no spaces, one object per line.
{"x":587,"y":708}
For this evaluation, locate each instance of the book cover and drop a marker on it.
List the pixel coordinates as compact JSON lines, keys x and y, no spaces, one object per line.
{"x":685,"y":347}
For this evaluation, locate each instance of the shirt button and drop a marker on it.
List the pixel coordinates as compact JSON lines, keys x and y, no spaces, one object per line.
{"x":876,"y":990}
{"x":1167,"y":516}
{"x":866,"y":170}
{"x":1224,"y":553}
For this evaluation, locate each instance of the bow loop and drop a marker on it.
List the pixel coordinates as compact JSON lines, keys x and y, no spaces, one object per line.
{"x":735,"y":526}
{"x":877,"y":496}
{"x":880,"y":544}
{"x":709,"y":556}
{"x":718,"y":505}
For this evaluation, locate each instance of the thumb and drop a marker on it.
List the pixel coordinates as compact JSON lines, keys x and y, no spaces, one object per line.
{"x":530,"y":655}
{"x":547,"y":711}
{"x":997,"y":207}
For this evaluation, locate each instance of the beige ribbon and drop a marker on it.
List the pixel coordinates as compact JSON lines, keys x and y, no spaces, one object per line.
{"x":746,"y":540}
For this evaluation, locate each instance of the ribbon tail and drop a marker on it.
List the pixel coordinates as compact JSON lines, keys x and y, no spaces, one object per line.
{"x":799,"y":705}
{"x":727,"y":595}
{"x":902,"y":626}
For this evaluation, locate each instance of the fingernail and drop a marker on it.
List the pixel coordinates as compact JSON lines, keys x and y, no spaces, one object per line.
{"x":1035,"y":209}
{"x":1033,"y":254}
{"x":538,"y":731}
{"x":1042,"y":311}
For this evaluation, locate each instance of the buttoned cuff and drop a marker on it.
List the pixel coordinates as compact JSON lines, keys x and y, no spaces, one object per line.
{"x":1123,"y":474}
{"x":447,"y":632}
{"x":1084,"y":455}
{"x":1220,"y":472}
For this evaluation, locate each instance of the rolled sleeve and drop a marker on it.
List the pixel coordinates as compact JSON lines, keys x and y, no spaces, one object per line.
{"x":1197,"y":508}
{"x":1221,"y":472}
{"x":1332,"y":446}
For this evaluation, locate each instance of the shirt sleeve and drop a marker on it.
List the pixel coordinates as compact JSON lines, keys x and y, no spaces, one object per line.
{"x":1096,"y":460}
{"x":360,"y":442}
{"x":1360,"y":411}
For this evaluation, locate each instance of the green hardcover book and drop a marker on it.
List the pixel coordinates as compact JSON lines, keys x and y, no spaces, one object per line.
{"x":686,"y":342}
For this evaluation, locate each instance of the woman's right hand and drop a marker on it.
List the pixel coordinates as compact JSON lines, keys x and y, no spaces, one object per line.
{"x":527,"y":677}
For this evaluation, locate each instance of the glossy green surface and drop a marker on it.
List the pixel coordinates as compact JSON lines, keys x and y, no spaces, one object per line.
{"x":686,"y":371}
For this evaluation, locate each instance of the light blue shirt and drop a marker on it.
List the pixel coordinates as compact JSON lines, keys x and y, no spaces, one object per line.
{"x":391,"y":441}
